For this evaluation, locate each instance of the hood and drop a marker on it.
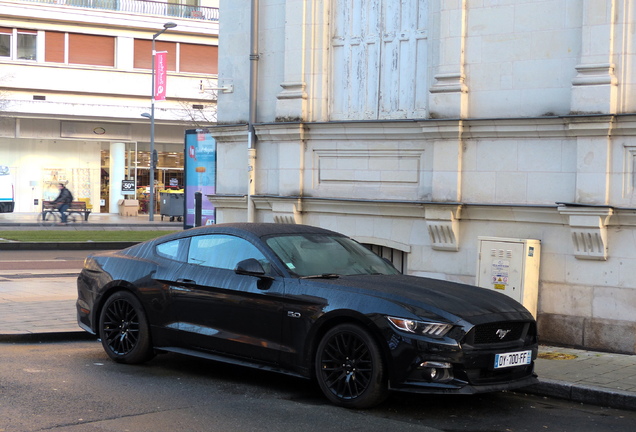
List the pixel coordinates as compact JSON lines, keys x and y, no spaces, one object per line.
{"x":425,"y":296}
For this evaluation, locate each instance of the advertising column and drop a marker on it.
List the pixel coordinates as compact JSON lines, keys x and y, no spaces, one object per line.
{"x":200,"y":175}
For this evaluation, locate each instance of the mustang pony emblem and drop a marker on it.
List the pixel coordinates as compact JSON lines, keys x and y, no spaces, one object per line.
{"x":502,"y":333}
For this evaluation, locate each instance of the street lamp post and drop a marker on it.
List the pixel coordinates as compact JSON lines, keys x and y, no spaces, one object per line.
{"x":153,"y":156}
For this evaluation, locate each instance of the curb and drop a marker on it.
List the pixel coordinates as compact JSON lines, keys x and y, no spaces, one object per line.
{"x":57,"y":336}
{"x":582,"y":393}
{"x":66,"y":245}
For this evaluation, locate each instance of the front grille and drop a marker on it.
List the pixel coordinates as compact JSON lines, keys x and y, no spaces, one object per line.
{"x":500,"y":332}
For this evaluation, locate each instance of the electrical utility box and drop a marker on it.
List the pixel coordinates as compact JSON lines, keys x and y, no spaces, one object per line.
{"x":510,"y":266}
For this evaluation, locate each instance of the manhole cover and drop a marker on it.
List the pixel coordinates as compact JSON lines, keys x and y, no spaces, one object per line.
{"x":557,"y":356}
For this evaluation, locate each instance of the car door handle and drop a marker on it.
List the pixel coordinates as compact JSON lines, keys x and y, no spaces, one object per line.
{"x":185,"y":281}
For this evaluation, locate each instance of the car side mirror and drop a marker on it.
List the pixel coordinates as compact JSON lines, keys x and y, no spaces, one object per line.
{"x":250,"y":267}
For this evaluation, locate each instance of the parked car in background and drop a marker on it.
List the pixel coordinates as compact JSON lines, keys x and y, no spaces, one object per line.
{"x":309,"y":302}
{"x":7,"y":190}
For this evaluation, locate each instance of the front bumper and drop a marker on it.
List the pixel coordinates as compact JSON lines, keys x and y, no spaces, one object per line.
{"x":452,"y":367}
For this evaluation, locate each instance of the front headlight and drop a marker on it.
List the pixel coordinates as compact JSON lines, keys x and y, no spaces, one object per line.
{"x":424,"y":328}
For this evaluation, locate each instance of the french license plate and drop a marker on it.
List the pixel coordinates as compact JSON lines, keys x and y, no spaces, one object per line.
{"x":513,"y":359}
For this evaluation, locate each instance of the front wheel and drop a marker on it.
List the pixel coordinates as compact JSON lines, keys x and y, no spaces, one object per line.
{"x":73,"y":218}
{"x":349,"y":367}
{"x":124,"y":329}
{"x":48,"y":218}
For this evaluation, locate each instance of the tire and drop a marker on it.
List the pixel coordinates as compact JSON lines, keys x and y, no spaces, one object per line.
{"x":124,"y":329}
{"x":350,"y":369}
{"x":73,"y":218}
{"x":48,"y":218}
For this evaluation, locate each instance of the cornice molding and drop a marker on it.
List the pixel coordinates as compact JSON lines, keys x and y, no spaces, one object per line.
{"x":572,"y":126}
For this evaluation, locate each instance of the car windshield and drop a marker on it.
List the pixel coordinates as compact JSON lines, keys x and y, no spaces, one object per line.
{"x":308,"y":255}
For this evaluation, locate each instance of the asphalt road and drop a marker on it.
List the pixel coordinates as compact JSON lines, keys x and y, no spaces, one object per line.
{"x":43,"y":260}
{"x":74,"y":387}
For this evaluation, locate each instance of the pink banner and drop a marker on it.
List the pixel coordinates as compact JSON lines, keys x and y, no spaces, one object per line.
{"x":161,"y":67}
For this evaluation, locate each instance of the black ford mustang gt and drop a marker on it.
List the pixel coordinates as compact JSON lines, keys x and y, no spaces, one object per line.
{"x":309,"y":302}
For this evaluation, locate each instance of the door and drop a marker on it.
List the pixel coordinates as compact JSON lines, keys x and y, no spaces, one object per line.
{"x":221,"y":311}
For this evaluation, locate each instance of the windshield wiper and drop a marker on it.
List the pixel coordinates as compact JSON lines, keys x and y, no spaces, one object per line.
{"x":322,"y":276}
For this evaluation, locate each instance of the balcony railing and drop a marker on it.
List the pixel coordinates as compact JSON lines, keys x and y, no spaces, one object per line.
{"x":142,"y":7}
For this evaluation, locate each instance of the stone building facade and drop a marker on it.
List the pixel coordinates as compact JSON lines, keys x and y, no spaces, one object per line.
{"x":421,"y":126}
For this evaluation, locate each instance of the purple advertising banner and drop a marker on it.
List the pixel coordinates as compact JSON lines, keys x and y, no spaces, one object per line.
{"x":200,"y":175}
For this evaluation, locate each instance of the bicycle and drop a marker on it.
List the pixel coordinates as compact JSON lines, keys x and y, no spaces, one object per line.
{"x":52,"y":216}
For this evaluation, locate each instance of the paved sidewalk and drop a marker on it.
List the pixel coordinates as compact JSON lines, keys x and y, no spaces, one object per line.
{"x":96,"y":221}
{"x":39,"y":305}
{"x":37,"y":302}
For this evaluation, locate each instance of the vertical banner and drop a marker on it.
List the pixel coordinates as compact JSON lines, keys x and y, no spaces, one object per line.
{"x":200,"y":174}
{"x":161,"y":68}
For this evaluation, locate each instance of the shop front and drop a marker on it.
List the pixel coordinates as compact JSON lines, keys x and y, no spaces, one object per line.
{"x":91,"y":159}
{"x":169,"y":176}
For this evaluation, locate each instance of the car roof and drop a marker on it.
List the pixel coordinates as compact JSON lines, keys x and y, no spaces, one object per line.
{"x":259,"y":229}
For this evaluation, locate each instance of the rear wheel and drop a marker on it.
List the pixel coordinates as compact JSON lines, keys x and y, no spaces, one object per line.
{"x":349,"y":367}
{"x":124,"y":329}
{"x":73,"y":218}
{"x":48,"y":218}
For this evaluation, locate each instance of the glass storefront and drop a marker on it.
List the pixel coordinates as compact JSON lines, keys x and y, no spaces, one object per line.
{"x":168,"y":175}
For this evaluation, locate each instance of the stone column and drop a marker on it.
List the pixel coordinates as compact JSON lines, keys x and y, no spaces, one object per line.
{"x":291,"y":101}
{"x":594,"y":88}
{"x":117,"y":170}
{"x":449,"y":94}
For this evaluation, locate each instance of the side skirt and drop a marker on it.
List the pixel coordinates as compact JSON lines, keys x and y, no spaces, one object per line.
{"x":229,"y":360}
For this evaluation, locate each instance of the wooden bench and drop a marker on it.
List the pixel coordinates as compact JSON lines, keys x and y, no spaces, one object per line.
{"x":75,"y":207}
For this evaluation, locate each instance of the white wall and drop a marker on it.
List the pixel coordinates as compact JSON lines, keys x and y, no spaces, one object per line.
{"x":538,"y":143}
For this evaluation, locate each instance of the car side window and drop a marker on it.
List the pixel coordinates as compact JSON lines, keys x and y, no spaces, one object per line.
{"x":174,"y":249}
{"x":223,"y":251}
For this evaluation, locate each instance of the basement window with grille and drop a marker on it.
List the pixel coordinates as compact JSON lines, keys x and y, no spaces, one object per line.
{"x":396,"y":257}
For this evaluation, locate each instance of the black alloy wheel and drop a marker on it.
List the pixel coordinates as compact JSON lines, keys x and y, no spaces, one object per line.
{"x":124,"y":330}
{"x":349,"y":367}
